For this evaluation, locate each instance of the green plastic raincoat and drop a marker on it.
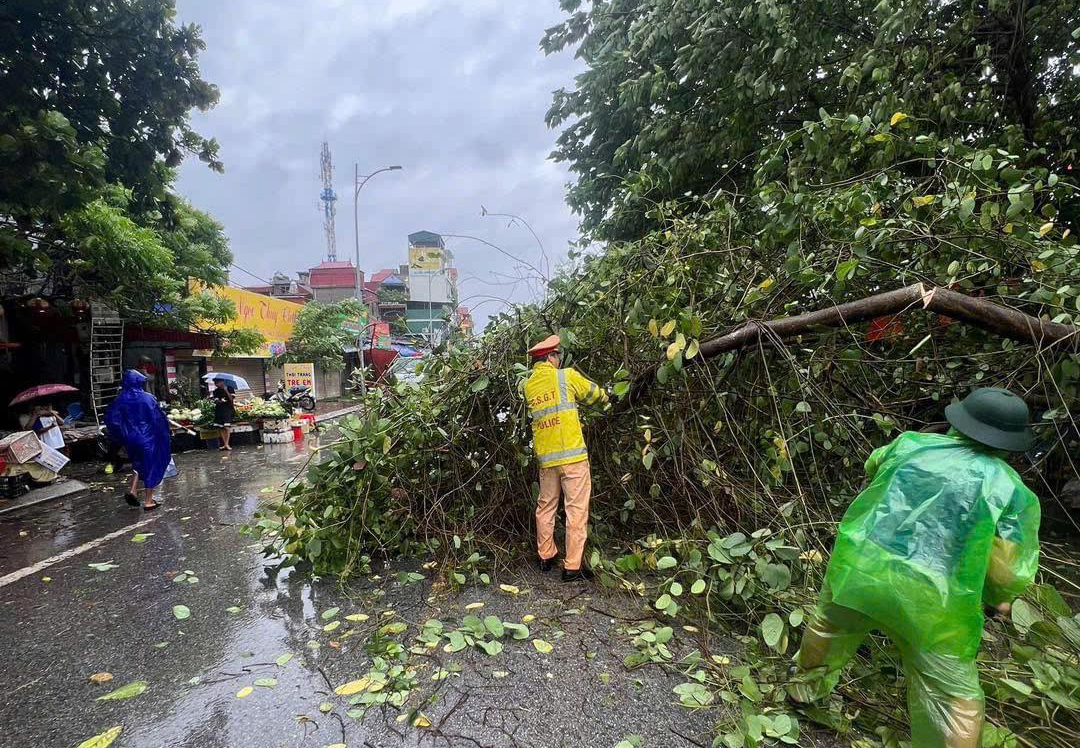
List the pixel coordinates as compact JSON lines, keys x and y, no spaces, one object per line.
{"x":944,"y":526}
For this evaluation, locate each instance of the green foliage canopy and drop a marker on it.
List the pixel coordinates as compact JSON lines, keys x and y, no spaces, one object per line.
{"x":93,"y":121}
{"x":684,"y":96}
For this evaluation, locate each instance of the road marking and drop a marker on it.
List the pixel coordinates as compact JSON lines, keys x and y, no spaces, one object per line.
{"x":15,"y":576}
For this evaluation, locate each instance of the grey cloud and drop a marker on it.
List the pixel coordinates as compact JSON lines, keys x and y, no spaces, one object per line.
{"x":453,"y":90}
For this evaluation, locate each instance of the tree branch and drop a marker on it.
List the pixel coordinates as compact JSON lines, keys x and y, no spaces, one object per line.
{"x":986,"y":315}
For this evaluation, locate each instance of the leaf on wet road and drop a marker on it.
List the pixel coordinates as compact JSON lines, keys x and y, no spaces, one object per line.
{"x":528,"y":618}
{"x":181,"y":612}
{"x":244,"y":692}
{"x":474,"y":606}
{"x":510,"y":589}
{"x":421,"y":721}
{"x":630,"y":741}
{"x":104,"y":740}
{"x":141,"y":537}
{"x":326,"y":707}
{"x":357,"y":617}
{"x":103,"y":566}
{"x":499,"y":673}
{"x":232,"y":609}
{"x":266,"y":682}
{"x":328,"y":614}
{"x":331,"y":626}
{"x":125,"y":692}
{"x":283,"y":660}
{"x":161,"y":645}
{"x":353,"y":686}
{"x":493,"y":648}
{"x":542,"y":646}
{"x":101,"y":677}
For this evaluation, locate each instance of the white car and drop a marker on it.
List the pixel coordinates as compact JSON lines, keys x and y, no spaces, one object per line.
{"x":406,"y":370}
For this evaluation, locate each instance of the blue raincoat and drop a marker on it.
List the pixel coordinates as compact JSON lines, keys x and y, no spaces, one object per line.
{"x":136,"y":422}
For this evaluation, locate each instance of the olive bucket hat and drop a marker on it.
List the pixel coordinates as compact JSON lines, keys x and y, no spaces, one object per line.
{"x":994,"y":417}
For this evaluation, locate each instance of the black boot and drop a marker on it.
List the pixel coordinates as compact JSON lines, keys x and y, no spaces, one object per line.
{"x":584,"y":574}
{"x":547,"y":564}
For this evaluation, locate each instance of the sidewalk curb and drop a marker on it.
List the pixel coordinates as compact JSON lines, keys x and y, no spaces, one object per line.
{"x":337,"y":413}
{"x":46,"y":493}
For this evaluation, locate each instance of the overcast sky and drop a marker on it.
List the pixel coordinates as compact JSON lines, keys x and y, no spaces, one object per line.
{"x":455,"y":91}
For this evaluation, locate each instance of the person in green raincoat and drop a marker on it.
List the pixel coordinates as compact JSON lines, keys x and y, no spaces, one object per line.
{"x":945,"y":527}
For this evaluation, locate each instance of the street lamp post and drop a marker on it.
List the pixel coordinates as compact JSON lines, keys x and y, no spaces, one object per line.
{"x":357,"y":186}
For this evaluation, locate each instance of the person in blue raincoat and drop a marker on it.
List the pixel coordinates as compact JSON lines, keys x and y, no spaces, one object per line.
{"x":135,"y":421}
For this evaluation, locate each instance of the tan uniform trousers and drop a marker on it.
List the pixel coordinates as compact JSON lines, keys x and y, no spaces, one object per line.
{"x":574,"y":481}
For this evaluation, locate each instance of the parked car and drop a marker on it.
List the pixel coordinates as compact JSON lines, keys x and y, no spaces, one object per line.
{"x":405,"y":371}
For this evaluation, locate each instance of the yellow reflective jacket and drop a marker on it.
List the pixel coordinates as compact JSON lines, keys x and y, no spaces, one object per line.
{"x":553,"y":395}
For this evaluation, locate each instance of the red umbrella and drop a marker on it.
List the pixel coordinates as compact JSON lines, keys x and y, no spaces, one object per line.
{"x":42,"y":390}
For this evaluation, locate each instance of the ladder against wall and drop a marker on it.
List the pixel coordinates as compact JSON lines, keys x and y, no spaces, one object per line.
{"x":106,"y":359}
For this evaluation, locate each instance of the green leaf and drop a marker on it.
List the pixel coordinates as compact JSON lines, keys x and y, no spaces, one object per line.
{"x":266,"y":682}
{"x":662,"y":602}
{"x":480,"y":384}
{"x":102,"y":740}
{"x":666,"y":562}
{"x":283,"y":660}
{"x":333,"y":625}
{"x":772,"y":628}
{"x":492,"y":648}
{"x":631,"y":741}
{"x":456,"y":642}
{"x":495,"y":626}
{"x":103,"y":566}
{"x":141,"y":537}
{"x":328,"y":614}
{"x":542,"y":646}
{"x":517,"y":630}
{"x":749,"y":689}
{"x":125,"y":692}
{"x":698,"y":587}
{"x":1024,"y":615}
{"x":233,"y":610}
{"x":693,"y":695}
{"x":181,"y":612}
{"x":846,"y":269}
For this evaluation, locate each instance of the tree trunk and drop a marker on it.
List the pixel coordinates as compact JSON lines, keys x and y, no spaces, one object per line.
{"x":986,"y":315}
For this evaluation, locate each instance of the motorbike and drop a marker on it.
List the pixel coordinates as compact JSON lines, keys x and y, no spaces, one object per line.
{"x":296,"y":397}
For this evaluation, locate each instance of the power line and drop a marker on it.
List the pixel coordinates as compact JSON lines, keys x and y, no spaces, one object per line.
{"x":263,"y":280}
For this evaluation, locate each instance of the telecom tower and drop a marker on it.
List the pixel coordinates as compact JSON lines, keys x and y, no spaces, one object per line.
{"x":329,"y":200}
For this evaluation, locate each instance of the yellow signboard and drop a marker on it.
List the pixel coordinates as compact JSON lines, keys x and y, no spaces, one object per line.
{"x":272,"y":317}
{"x":299,"y":375}
{"x":425,"y":258}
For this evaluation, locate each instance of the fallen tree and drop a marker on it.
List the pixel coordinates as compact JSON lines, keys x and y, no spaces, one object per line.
{"x":780,"y":370}
{"x":986,"y":315}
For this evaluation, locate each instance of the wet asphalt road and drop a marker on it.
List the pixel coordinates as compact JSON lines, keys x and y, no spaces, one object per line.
{"x":120,"y":621}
